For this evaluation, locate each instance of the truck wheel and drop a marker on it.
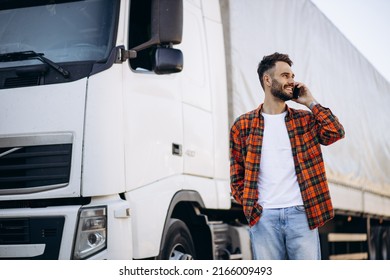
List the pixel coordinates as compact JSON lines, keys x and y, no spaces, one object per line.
{"x":372,"y":245}
{"x":178,"y":244}
{"x":385,"y":242}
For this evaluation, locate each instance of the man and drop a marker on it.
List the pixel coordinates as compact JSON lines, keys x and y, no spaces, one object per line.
{"x":276,"y":166}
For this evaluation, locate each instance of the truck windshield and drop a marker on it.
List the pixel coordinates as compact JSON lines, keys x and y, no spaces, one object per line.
{"x":64,"y":31}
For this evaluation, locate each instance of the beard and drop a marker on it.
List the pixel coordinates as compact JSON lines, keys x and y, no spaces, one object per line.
{"x":278,"y":92}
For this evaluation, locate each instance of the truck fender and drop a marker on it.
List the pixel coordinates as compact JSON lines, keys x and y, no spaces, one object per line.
{"x":185,"y":197}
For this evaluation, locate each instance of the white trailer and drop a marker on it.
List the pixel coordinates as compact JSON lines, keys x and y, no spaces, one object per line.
{"x":114,"y":120}
{"x":341,"y":78}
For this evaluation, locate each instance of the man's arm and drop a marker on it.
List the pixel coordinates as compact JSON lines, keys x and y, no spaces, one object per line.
{"x":237,"y":170}
{"x":328,"y":126}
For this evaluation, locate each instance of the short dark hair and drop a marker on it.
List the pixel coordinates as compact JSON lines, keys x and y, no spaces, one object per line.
{"x":268,"y":63}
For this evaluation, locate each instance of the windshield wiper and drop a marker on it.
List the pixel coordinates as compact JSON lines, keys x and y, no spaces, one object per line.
{"x":25,"y":55}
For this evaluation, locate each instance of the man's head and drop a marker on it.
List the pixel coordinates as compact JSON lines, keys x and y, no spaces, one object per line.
{"x":276,"y":76}
{"x":267,"y":65}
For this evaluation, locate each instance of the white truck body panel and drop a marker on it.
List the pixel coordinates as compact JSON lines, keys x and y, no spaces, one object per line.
{"x":149,"y":211}
{"x":152,"y":122}
{"x":103,"y":154}
{"x":40,"y":111}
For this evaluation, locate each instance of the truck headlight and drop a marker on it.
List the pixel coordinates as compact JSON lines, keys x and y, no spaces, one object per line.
{"x":91,"y":234}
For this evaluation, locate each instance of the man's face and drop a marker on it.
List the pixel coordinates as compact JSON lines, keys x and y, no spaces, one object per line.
{"x":282,"y":81}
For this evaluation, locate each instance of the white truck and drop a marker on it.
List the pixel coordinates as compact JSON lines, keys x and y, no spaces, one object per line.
{"x":114,"y":120}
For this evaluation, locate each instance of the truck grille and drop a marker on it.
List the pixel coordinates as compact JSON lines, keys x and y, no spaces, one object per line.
{"x":37,"y":230}
{"x":21,"y":81}
{"x":24,"y":169}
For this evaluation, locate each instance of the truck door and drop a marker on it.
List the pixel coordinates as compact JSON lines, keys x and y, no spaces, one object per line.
{"x":152,"y":110}
{"x":196,"y":95}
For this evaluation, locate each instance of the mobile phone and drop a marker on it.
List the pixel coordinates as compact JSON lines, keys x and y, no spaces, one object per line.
{"x":296,"y":92}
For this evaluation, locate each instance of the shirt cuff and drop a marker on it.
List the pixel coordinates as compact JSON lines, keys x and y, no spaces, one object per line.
{"x":312,"y":104}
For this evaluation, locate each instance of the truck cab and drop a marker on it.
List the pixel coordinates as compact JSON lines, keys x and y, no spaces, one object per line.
{"x":114,"y":131}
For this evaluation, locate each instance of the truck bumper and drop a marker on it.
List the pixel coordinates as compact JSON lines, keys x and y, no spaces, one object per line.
{"x":51,"y":232}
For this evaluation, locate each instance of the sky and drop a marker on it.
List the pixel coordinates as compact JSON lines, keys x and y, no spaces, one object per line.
{"x":366,"y":24}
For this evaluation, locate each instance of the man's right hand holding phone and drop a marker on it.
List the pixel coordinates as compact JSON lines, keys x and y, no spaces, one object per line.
{"x":302,"y":95}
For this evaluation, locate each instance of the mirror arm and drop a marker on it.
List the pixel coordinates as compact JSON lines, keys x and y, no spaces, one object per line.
{"x":152,"y":42}
{"x":124,"y":55}
{"x":129,"y":54}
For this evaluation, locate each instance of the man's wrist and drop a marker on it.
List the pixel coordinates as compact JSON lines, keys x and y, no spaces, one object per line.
{"x":312,"y":104}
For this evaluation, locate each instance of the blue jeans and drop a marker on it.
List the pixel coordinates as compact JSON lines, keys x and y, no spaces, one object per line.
{"x":283,"y":233}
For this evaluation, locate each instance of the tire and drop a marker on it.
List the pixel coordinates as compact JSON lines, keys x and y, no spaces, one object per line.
{"x":178,"y":244}
{"x":372,"y":245}
{"x":385,"y":244}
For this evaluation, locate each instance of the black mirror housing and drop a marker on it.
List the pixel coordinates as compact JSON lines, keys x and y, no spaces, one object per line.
{"x":168,"y":21}
{"x":168,"y":61}
{"x":166,"y":25}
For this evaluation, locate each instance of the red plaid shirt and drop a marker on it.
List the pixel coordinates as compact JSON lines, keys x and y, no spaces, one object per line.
{"x":306,"y":130}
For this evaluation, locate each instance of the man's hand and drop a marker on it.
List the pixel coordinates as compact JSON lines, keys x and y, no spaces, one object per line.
{"x":305,"y":96}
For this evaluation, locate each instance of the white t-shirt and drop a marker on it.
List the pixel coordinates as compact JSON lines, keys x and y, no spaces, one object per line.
{"x":277,"y":183}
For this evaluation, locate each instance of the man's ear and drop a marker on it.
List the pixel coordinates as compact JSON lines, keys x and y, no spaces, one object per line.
{"x":267,"y":80}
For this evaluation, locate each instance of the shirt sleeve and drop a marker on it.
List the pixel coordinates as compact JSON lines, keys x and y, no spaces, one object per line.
{"x":329,"y":128}
{"x":237,"y":170}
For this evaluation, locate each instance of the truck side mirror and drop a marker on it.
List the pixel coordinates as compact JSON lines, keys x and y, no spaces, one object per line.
{"x":168,"y":61}
{"x":166,"y":23}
